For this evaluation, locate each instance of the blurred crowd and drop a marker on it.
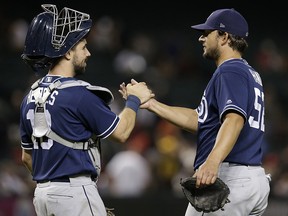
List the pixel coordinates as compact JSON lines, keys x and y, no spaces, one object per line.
{"x":158,"y":154}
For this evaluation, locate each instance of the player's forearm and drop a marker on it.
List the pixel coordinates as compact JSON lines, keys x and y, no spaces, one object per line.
{"x":27,"y":160}
{"x":125,"y":126}
{"x":184,"y":118}
{"x":227,"y":137}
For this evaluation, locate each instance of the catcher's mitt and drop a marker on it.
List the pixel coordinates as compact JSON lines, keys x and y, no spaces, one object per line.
{"x":205,"y":199}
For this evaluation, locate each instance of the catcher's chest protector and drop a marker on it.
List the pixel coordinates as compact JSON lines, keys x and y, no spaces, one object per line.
{"x":42,"y":128}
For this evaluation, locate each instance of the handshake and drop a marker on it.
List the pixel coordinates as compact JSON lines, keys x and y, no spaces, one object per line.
{"x":138,"y":89}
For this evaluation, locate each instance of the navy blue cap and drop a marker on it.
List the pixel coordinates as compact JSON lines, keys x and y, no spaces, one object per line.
{"x":227,"y":20}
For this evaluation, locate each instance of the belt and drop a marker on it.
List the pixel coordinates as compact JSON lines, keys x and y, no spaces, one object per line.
{"x":60,"y":179}
{"x":238,"y":164}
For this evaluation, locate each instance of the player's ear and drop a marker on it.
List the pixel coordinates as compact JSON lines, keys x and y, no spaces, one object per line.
{"x":224,"y":37}
{"x":68,"y":55}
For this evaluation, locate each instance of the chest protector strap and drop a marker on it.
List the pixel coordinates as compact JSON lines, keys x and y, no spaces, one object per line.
{"x":41,"y":127}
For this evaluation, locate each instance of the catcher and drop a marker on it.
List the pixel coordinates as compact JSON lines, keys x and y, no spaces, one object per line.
{"x":64,"y":119}
{"x":229,"y":123}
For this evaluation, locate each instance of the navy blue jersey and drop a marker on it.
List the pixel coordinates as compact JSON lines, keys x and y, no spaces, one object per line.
{"x":74,"y":113}
{"x":234,"y":87}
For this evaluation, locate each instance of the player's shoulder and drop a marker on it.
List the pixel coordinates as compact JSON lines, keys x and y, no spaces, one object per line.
{"x":238,"y":66}
{"x":232,"y":63}
{"x":72,"y":83}
{"x":74,"y":88}
{"x":88,"y":90}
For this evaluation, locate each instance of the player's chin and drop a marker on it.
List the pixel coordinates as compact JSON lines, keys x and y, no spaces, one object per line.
{"x":204,"y":50}
{"x":84,"y":64}
{"x":206,"y":54}
{"x":80,"y":70}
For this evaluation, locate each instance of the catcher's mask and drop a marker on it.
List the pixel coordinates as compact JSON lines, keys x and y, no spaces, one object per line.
{"x":52,"y":34}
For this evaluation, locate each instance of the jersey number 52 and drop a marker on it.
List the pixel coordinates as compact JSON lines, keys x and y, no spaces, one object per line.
{"x":257,"y":121}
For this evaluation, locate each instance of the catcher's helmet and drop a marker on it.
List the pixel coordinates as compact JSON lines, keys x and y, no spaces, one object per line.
{"x":51,"y":35}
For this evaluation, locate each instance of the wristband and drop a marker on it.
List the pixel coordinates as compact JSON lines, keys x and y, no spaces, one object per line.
{"x":133,"y":102}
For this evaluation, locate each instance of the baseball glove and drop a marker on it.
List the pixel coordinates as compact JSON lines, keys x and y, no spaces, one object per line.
{"x":205,"y":199}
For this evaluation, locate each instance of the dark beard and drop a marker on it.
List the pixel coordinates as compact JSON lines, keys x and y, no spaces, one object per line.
{"x":79,"y":70}
{"x":212,"y":54}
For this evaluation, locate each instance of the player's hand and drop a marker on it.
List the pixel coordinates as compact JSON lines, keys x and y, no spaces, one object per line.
{"x":138,"y":89}
{"x":206,"y":174}
{"x":123,"y":90}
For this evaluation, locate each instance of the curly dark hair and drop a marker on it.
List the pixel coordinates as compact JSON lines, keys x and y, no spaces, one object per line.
{"x":236,"y":42}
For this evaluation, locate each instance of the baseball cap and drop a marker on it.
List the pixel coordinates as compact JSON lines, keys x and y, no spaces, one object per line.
{"x":227,"y":20}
